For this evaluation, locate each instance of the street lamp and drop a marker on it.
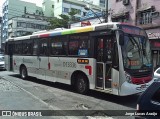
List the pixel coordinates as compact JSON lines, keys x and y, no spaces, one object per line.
{"x":87,"y":7}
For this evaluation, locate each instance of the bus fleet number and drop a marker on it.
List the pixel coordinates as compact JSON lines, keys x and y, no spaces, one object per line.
{"x":69,"y":64}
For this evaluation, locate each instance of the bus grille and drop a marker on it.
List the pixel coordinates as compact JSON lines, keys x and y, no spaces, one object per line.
{"x":141,"y":74}
{"x":141,"y":80}
{"x":141,"y":77}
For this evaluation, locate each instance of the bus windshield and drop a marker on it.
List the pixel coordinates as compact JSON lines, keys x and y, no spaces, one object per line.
{"x":136,"y":52}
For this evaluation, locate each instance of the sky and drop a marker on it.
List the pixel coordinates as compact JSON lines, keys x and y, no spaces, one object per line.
{"x":37,"y":2}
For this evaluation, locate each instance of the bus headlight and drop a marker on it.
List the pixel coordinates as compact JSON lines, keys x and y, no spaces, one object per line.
{"x":128,"y":78}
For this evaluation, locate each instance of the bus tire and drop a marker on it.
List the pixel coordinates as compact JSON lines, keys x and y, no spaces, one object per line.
{"x":23,"y":72}
{"x":82,"y":85}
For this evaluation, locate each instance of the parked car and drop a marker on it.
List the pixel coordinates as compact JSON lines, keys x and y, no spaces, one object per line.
{"x":2,"y":63}
{"x":157,"y":73}
{"x":148,"y":105}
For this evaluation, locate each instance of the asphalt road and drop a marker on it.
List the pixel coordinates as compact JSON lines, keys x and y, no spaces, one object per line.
{"x":36,"y":94}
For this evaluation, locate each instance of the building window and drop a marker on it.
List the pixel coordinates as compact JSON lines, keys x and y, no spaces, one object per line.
{"x":118,"y":0}
{"x":102,"y":3}
{"x":124,"y":18}
{"x":27,"y":47}
{"x":66,"y":10}
{"x":145,"y":17}
{"x":21,"y":24}
{"x":84,"y":13}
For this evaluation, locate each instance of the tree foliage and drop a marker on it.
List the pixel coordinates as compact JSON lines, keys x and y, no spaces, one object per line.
{"x":64,"y":20}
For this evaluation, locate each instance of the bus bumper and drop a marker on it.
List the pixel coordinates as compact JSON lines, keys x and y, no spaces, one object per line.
{"x":130,"y":89}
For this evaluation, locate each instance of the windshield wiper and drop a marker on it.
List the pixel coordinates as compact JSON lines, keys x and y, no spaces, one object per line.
{"x":134,"y":42}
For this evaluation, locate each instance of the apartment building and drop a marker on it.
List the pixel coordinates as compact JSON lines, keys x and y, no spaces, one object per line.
{"x":58,"y":7}
{"x":16,"y":8}
{"x":20,"y":26}
{"x":145,"y":14}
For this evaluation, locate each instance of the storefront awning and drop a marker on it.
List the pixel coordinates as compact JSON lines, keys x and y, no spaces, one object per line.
{"x":145,"y":8}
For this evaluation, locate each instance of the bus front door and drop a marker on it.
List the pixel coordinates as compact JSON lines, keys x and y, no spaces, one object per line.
{"x":104,"y":62}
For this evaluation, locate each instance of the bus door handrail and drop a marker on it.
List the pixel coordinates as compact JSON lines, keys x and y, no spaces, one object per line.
{"x":104,"y":71}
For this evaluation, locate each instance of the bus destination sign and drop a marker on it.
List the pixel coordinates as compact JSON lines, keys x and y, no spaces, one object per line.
{"x":133,"y":30}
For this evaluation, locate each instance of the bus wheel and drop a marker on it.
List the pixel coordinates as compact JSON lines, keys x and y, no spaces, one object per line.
{"x":24,"y":73}
{"x":82,"y":84}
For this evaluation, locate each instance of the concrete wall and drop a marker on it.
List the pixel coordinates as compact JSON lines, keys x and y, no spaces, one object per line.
{"x":48,"y":8}
{"x":119,"y":8}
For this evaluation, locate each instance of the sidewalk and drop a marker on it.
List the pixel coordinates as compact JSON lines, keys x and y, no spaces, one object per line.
{"x":13,"y":98}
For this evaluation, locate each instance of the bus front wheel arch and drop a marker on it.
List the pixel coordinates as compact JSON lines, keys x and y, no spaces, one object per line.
{"x":80,"y":82}
{"x":23,"y":72}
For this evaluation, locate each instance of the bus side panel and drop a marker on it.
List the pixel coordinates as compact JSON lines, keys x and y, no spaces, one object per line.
{"x":18,"y":60}
{"x":43,"y":67}
{"x":62,"y":69}
{"x":32,"y":65}
{"x":59,"y":73}
{"x":115,"y":84}
{"x":92,"y":79}
{"x":30,"y":62}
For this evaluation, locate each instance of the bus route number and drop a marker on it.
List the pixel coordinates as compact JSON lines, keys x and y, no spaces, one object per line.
{"x":69,"y":64}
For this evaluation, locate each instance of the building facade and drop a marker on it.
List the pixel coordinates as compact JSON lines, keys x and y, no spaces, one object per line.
{"x":142,"y":13}
{"x":58,"y":7}
{"x":93,"y":17}
{"x":20,"y":26}
{"x":100,"y":3}
{"x":10,"y":10}
{"x":48,"y":8}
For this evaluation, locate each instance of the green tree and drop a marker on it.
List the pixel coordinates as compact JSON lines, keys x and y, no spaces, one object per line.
{"x":64,"y":20}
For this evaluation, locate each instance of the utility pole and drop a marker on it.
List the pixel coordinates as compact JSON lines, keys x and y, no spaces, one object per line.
{"x":106,"y":13}
{"x":87,"y":7}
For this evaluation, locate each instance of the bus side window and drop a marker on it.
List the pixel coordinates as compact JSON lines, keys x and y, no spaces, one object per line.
{"x":79,"y":45}
{"x":73,"y":47}
{"x":18,"y":47}
{"x":27,"y":47}
{"x":58,"y":46}
{"x":35,"y":47}
{"x":43,"y":47}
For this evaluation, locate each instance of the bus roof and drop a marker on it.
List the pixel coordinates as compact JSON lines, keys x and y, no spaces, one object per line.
{"x":111,"y":25}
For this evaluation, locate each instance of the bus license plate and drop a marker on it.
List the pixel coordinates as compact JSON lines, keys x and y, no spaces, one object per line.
{"x":143,"y":87}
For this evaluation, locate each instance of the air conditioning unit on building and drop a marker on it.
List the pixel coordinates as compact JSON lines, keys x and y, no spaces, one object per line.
{"x":125,"y":2}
